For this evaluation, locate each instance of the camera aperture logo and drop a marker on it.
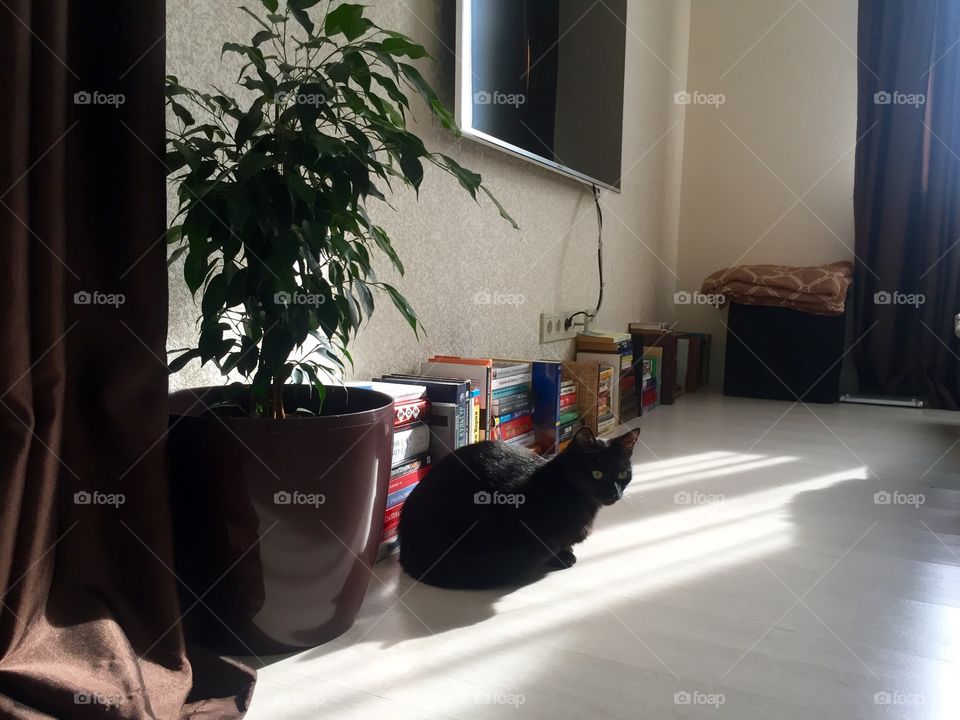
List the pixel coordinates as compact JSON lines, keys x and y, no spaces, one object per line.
{"x":95,"y":297}
{"x":95,"y":97}
{"x":495,"y":97}
{"x":698,"y":298}
{"x":488,"y":297}
{"x":89,"y":698}
{"x":299,"y":298}
{"x":94,"y":497}
{"x":896,"y":297}
{"x":300,"y":98}
{"x":514,"y":700}
{"x":899,"y":498}
{"x":895,"y":697}
{"x":896,"y":97}
{"x":695,"y":97}
{"x":685,"y":697}
{"x":294,"y":497}
{"x":686,"y":497}
{"x":498,"y":497}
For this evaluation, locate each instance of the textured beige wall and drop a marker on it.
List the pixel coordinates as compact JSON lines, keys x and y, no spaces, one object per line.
{"x":767,"y":175}
{"x":453,"y":249}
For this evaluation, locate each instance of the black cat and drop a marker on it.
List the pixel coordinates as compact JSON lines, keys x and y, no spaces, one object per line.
{"x":489,"y":514}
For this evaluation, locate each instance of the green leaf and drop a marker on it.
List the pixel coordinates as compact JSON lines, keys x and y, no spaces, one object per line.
{"x":271,"y":5}
{"x":178,"y":363}
{"x":347,"y":19}
{"x":248,"y":125}
{"x":469,"y":180}
{"x":403,"y":46}
{"x":412,"y":169}
{"x":176,"y":254}
{"x":400,"y":302}
{"x":263,"y":36}
{"x":416,"y":80}
{"x":304,"y":19}
{"x":503,"y":213}
{"x":181,"y":112}
{"x":214,"y":296}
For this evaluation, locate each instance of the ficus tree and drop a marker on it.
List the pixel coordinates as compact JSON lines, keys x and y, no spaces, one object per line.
{"x":273,"y":225}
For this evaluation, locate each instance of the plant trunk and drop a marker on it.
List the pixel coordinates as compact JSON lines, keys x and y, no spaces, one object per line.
{"x":276,"y":401}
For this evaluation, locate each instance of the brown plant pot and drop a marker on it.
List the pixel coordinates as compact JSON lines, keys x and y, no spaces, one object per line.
{"x":277,"y":522}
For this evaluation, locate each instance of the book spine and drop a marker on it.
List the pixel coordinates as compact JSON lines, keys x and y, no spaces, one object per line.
{"x":512,"y":390}
{"x":409,"y":466}
{"x":507,"y":417}
{"x":510,"y":381}
{"x":516,"y":427}
{"x":476,"y":416}
{"x":507,"y":370}
{"x":408,"y":412}
{"x":410,"y":442}
{"x":524,"y":440}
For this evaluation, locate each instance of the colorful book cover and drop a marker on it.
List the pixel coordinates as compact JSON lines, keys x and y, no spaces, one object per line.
{"x":405,"y":413}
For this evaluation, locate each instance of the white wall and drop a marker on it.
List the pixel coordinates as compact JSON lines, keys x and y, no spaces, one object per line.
{"x":452,"y":248}
{"x":788,"y":72}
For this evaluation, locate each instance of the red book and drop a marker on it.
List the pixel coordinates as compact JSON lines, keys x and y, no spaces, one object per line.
{"x":411,"y":411}
{"x":517,"y":427}
{"x":391,"y":523}
{"x":568,"y":400}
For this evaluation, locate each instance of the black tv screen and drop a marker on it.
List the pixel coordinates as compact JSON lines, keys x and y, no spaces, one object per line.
{"x":543,"y":79}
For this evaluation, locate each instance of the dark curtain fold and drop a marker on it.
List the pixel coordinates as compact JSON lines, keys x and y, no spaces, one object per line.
{"x":89,"y":617}
{"x":907,"y":282}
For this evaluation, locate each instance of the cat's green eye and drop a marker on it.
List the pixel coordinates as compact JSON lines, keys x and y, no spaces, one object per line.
{"x":624,"y":475}
{"x":597,"y":475}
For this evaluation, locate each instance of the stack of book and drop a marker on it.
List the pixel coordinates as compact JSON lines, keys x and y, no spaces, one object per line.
{"x":411,"y":459}
{"x":652,"y":365}
{"x":452,"y":417}
{"x":606,"y":421}
{"x":511,"y":403}
{"x":653,"y":335}
{"x":569,"y":413}
{"x":614,"y":349}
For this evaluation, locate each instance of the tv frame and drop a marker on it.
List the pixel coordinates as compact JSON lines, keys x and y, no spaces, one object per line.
{"x":463,"y":109}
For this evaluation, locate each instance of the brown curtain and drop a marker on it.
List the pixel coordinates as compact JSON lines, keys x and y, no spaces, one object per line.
{"x":89,"y":616}
{"x":907,"y":199}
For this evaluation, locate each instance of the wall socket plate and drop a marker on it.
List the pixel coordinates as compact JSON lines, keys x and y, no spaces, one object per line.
{"x":552,"y":330}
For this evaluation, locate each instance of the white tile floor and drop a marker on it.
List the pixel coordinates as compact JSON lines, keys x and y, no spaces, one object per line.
{"x":753,"y":572}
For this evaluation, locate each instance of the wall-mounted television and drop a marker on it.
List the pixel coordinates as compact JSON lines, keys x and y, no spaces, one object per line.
{"x":543,"y":79}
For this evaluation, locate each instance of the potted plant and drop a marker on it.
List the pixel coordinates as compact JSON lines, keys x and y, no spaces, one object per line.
{"x":279,"y":480}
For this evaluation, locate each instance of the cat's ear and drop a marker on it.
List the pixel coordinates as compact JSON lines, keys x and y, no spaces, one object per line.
{"x":584,"y":440}
{"x":627,"y":441}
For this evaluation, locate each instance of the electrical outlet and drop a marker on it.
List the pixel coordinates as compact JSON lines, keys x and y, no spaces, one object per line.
{"x":552,"y":330}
